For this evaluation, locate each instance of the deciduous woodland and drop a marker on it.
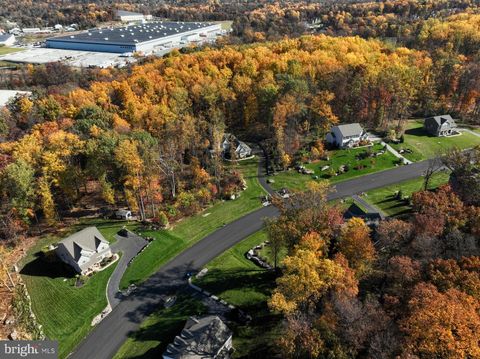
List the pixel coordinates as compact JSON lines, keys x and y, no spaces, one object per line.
{"x":151,"y":138}
{"x":407,"y":290}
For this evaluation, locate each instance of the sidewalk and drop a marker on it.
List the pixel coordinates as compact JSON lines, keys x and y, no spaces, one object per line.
{"x":469,"y":131}
{"x":395,"y":153}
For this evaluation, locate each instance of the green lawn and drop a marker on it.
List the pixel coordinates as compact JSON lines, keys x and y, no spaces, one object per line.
{"x":424,"y":146}
{"x":64,"y":311}
{"x":268,"y":255}
{"x":233,"y":278}
{"x":293,"y":180}
{"x":237,"y":280}
{"x":169,"y":243}
{"x":155,"y":333}
{"x":7,"y":50}
{"x":384,"y":197}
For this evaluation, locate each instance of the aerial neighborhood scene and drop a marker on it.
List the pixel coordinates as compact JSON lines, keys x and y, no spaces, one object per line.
{"x":240,"y":179}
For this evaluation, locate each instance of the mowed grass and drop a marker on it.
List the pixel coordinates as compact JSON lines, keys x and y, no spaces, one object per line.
{"x":233,"y":278}
{"x":291,"y":179}
{"x":64,"y":311}
{"x":384,"y":198}
{"x":159,"y":329}
{"x":185,"y":233}
{"x":237,"y":280}
{"x":268,"y":255}
{"x":424,"y":146}
{"x":4,"y":50}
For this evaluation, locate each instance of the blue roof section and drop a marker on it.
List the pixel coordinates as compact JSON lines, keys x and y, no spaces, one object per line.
{"x":5,"y":37}
{"x":134,"y":34}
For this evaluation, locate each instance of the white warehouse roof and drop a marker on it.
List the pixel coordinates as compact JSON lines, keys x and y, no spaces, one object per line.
{"x":131,"y":35}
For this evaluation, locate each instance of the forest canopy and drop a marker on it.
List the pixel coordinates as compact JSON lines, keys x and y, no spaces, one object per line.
{"x":176,"y":109}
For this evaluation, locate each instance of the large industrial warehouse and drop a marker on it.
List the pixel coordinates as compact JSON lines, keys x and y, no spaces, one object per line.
{"x":145,"y":38}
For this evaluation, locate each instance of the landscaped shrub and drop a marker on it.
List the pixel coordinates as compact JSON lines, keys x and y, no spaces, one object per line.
{"x":204,"y":196}
{"x":231,"y":184}
{"x":172,"y":211}
{"x":162,"y":219}
{"x":364,"y":143}
{"x":187,"y":203}
{"x":330,"y":173}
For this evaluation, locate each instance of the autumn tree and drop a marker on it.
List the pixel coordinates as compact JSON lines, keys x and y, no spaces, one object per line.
{"x":442,"y":325}
{"x":17,"y":186}
{"x":303,"y":213}
{"x":356,"y":245}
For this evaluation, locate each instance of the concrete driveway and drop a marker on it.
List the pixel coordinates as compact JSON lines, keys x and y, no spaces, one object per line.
{"x":129,"y":246}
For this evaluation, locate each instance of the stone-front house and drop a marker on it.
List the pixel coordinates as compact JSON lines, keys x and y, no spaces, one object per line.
{"x":84,"y":249}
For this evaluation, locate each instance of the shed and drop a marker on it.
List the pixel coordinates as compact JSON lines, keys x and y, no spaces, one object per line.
{"x":124,"y":214}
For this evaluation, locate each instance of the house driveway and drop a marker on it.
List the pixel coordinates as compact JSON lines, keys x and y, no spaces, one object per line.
{"x":371,"y":208}
{"x":129,"y":246}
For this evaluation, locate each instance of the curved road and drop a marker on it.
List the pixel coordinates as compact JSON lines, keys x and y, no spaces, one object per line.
{"x":107,"y":337}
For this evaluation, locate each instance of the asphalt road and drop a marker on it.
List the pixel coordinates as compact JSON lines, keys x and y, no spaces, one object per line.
{"x":105,"y":339}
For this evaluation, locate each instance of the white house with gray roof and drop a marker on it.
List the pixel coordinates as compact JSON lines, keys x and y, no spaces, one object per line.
{"x":346,"y":136}
{"x":84,"y":249}
{"x":207,"y":337}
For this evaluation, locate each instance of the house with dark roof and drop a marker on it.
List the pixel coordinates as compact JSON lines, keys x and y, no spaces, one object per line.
{"x":440,"y":126}
{"x":346,"y":136}
{"x":370,"y":218}
{"x":206,"y":337}
{"x":84,"y":249}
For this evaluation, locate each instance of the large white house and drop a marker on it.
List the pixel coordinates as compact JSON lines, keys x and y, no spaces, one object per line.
{"x":84,"y":249}
{"x":201,"y":338}
{"x":346,"y":136}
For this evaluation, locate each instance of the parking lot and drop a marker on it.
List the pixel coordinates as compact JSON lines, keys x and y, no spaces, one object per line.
{"x":70,"y":57}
